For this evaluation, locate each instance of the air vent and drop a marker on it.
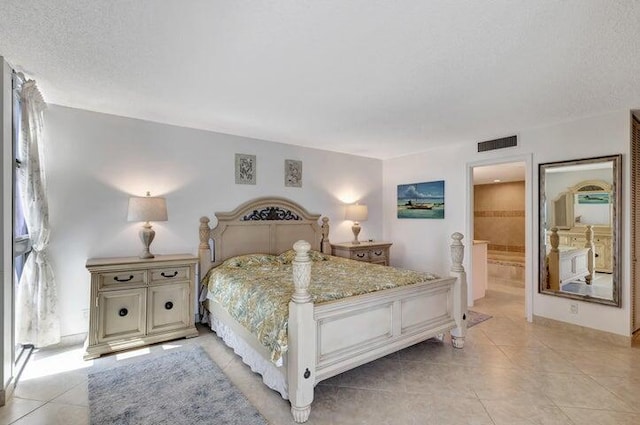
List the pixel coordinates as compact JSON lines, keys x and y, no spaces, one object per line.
{"x":505,"y":142}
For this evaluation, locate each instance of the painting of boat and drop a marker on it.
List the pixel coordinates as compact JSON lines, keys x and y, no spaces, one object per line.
{"x":421,"y":200}
{"x":594,"y":198}
{"x":411,"y":205}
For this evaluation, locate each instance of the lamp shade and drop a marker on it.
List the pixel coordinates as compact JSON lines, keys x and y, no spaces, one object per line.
{"x":147,"y":208}
{"x":356,"y":212}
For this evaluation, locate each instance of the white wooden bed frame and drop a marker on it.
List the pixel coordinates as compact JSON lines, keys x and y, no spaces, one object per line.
{"x":567,"y":264}
{"x":332,"y":337}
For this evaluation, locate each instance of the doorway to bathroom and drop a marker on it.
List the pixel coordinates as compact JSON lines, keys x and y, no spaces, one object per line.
{"x":498,"y":223}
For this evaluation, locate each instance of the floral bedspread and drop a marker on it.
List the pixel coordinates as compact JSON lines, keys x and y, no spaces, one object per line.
{"x":256,"y":289}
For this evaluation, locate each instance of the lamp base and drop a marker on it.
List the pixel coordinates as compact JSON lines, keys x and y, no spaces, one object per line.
{"x":146,"y":236}
{"x":356,"y":231}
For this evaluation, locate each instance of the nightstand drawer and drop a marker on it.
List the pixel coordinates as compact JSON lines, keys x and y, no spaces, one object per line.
{"x":122,"y":278}
{"x":378,"y":255}
{"x":360,"y":255}
{"x":170,"y":274}
{"x":370,"y":252}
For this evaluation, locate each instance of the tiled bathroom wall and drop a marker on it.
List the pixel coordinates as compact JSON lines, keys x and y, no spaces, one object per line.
{"x":499,"y":219}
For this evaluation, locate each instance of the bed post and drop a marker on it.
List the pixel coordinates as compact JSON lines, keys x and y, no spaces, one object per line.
{"x":301,"y":358}
{"x":204,"y":251}
{"x":591,"y":256}
{"x":553,"y":261}
{"x":459,"y":291}
{"x":325,"y":245}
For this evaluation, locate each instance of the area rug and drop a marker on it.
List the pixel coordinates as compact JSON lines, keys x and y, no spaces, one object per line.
{"x":182,"y":387}
{"x":473,"y":318}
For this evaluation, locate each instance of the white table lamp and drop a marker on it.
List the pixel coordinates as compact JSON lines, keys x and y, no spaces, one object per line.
{"x":147,"y":208}
{"x":356,"y":213}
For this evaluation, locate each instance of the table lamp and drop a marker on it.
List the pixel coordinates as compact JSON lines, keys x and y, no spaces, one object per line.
{"x":356,"y":213}
{"x":147,"y":208}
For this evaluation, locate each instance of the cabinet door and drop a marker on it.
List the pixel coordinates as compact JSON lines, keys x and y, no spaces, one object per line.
{"x":121,"y":314}
{"x":168,"y":307}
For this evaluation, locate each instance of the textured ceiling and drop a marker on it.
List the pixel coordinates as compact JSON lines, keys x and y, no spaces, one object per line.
{"x":369,"y":77}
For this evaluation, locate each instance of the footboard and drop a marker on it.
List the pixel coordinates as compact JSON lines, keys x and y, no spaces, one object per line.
{"x":333,"y":337}
{"x":566,"y":264}
{"x":357,"y":330}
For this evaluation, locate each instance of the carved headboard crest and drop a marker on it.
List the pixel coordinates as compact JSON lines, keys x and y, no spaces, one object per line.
{"x":590,"y":188}
{"x":271,"y":213}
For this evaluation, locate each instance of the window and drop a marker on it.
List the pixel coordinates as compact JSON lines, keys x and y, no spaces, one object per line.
{"x":21,"y":241}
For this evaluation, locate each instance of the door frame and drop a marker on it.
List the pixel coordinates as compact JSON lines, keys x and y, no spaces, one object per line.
{"x":635,"y":222}
{"x":529,"y":214}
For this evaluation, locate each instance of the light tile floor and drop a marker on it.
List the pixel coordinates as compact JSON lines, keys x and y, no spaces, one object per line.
{"x":510,"y":372}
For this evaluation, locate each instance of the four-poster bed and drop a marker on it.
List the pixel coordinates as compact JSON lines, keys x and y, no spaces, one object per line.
{"x":328,"y":337}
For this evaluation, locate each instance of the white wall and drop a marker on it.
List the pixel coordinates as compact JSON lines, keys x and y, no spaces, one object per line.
{"x":94,"y":162}
{"x":423,"y":244}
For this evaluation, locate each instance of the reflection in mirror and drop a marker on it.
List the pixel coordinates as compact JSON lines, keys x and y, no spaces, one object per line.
{"x":579,"y":228}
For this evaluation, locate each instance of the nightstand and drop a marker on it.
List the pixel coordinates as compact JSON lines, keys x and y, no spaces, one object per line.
{"x":371,"y":252}
{"x":136,"y":302}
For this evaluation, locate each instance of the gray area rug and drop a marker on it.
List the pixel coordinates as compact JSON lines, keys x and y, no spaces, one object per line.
{"x":182,"y":387}
{"x":474,"y":317}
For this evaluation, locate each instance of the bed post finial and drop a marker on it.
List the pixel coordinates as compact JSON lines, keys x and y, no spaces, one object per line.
{"x":459,"y":291}
{"x":301,"y":373}
{"x":591,"y":256}
{"x":554,"y":238}
{"x":325,"y":245}
{"x":205,"y":232}
{"x":457,"y":252}
{"x":301,"y":272}
{"x":553,"y":261}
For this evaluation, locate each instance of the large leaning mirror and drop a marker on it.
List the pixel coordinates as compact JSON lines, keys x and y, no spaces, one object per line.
{"x":580,"y":228}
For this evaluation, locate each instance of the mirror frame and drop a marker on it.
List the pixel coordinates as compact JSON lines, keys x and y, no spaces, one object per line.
{"x":616,"y":219}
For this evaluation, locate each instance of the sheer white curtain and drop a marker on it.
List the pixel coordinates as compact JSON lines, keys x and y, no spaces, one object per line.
{"x":36,"y":300}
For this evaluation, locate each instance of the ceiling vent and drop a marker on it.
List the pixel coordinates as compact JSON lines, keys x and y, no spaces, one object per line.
{"x":505,"y":142}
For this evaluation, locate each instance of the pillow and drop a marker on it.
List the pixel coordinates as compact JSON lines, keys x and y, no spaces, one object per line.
{"x":288,"y":256}
{"x":250,"y":260}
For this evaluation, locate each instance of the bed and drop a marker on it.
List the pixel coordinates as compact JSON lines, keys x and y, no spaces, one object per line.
{"x":330,"y":336}
{"x":569,"y":263}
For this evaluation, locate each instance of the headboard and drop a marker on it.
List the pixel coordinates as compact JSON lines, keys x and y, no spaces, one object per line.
{"x":268,"y":225}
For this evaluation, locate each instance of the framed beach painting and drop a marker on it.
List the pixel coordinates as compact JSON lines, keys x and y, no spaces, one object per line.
{"x":594,"y":198}
{"x":421,"y":200}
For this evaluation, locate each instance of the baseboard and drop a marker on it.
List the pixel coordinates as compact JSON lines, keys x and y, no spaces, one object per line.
{"x":635,"y":339}
{"x":69,"y":340}
{"x":615,"y":339}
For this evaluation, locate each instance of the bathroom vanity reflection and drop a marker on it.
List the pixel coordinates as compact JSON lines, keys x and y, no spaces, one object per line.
{"x":579,"y":228}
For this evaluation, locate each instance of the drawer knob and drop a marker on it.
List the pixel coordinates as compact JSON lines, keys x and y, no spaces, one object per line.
{"x":361,"y":255}
{"x":378,"y":253}
{"x":168,"y":305}
{"x":123,"y":312}
{"x":169,"y":276}
{"x":117,"y":279}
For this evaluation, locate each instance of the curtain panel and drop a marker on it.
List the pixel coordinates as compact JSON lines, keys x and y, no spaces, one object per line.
{"x":36,"y":299}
